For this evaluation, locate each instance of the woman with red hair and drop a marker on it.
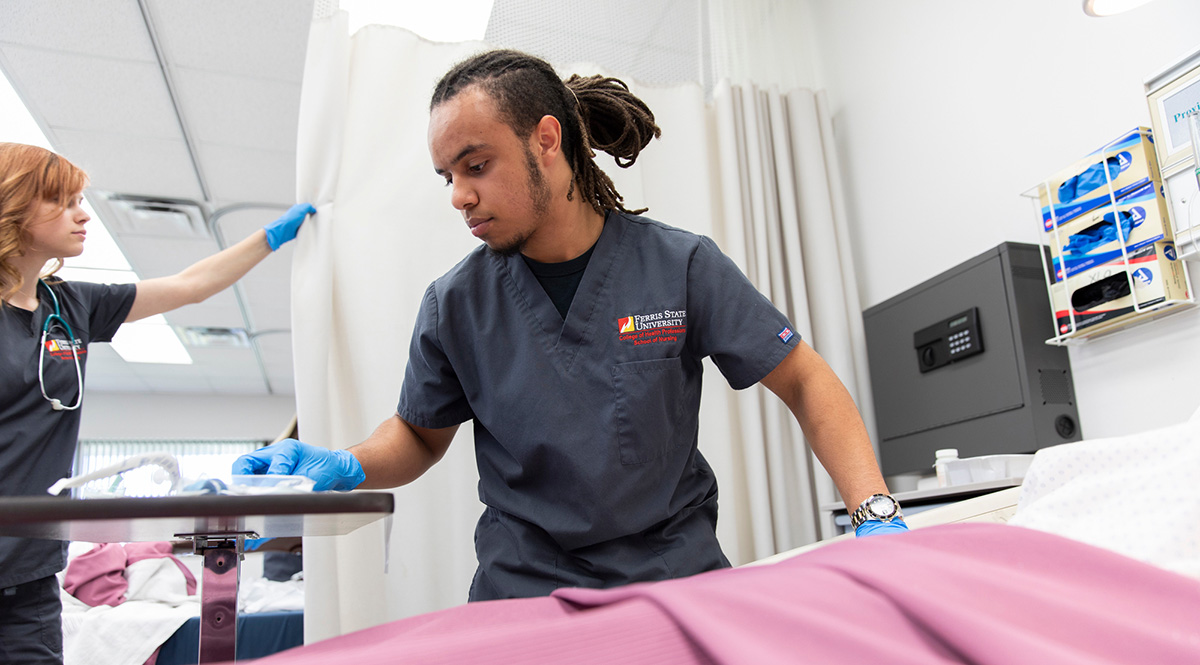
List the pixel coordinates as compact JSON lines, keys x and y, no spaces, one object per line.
{"x":46,"y":325}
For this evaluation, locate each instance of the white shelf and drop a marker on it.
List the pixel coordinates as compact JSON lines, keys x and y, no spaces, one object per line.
{"x":936,"y":494}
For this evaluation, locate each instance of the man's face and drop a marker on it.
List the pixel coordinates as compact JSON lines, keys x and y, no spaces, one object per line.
{"x":495,"y":177}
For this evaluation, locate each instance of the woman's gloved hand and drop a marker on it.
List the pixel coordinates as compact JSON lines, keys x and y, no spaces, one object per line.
{"x":329,"y":469}
{"x":284,"y":229}
{"x":875,"y":528}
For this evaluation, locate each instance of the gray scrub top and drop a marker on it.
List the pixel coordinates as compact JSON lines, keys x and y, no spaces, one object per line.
{"x":587,"y":428}
{"x":37,"y":444}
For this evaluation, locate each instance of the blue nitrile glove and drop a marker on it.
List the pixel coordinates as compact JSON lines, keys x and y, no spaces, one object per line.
{"x":1128,"y":223}
{"x":331,"y":469}
{"x":1101,"y":234}
{"x":285,"y":228}
{"x":875,"y":528}
{"x":252,"y":544}
{"x":1091,"y":178}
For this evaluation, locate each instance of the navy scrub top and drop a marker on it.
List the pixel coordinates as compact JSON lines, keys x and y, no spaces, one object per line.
{"x":586,"y":429}
{"x":37,"y":443}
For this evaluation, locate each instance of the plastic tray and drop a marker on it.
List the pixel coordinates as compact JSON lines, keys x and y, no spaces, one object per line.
{"x":986,"y":468}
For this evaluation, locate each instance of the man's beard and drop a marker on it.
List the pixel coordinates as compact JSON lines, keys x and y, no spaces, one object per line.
{"x":539,"y":195}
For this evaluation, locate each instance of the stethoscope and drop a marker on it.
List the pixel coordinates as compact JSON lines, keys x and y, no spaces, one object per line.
{"x":56,"y":404}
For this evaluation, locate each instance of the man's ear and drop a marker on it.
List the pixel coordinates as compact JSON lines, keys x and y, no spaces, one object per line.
{"x":547,"y":138}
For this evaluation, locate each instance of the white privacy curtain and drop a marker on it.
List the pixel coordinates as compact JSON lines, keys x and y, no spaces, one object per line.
{"x":749,"y":169}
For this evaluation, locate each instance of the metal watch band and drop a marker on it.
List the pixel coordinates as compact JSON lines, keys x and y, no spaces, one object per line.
{"x":860,"y":515}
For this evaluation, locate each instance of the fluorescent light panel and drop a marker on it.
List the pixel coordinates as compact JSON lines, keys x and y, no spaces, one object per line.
{"x":150,"y":340}
{"x":16,"y":125}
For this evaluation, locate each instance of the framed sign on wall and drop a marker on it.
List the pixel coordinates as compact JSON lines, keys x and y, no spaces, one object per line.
{"x":1174,"y":95}
{"x":1174,"y":98}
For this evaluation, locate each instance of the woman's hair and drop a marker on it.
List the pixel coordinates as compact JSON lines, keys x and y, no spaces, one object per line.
{"x":28,"y":176}
{"x":594,"y":112}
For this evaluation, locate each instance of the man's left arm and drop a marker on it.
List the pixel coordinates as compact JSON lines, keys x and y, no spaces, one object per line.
{"x":830,"y":421}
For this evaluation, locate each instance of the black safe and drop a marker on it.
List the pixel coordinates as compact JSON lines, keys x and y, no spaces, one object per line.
{"x":961,"y":361}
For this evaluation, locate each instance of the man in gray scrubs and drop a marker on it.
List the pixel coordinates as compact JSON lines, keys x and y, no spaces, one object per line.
{"x":573,"y":340}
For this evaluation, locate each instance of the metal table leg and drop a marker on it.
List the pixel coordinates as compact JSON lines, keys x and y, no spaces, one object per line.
{"x":218,"y":599}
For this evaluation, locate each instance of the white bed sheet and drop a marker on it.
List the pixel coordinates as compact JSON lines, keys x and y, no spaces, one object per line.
{"x":156,"y":605}
{"x":1137,"y":495}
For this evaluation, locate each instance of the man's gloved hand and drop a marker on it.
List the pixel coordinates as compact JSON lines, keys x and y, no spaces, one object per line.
{"x":285,"y":228}
{"x":875,"y":528}
{"x":331,"y":469}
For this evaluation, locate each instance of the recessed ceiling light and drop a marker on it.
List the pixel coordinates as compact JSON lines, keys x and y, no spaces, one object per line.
{"x":1109,"y":7}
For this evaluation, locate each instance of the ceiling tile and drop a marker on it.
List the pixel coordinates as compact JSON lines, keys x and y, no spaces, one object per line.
{"x":159,"y":256}
{"x":178,"y":384}
{"x":109,"y":28}
{"x":235,"y":386}
{"x":104,"y":362}
{"x":239,"y":220}
{"x":282,"y":380}
{"x":84,"y":92}
{"x":238,"y":111}
{"x":219,"y":311}
{"x":261,"y":39}
{"x":268,"y":296}
{"x":276,"y":350}
{"x":104,"y":381}
{"x":169,"y":174}
{"x":239,"y":362}
{"x":273,"y":317}
{"x":155,"y":371}
{"x":246,"y":174}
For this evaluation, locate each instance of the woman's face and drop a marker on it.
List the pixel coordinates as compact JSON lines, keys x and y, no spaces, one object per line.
{"x":58,"y":233}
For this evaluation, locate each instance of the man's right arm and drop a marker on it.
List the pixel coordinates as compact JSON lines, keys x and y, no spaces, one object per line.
{"x":395,"y":454}
{"x":398,"y":452}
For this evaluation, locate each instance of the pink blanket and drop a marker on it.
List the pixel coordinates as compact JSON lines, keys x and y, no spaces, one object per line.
{"x":964,"y":593}
{"x":97,"y":577}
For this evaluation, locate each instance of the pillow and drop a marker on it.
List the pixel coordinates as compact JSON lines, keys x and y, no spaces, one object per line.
{"x":1136,"y":495}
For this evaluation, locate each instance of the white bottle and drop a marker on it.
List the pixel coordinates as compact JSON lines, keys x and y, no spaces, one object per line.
{"x":941,"y":458}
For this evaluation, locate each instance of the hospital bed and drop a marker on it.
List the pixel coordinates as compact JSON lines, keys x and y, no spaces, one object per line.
{"x":270,"y":606}
{"x":217,"y":525}
{"x":130,"y":632}
{"x":259,"y":634}
{"x":1094,"y":559}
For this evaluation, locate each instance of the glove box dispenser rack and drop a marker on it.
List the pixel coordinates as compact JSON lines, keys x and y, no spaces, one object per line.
{"x":1115,"y":266}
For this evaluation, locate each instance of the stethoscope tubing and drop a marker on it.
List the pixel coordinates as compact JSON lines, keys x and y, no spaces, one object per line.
{"x":56,"y":404}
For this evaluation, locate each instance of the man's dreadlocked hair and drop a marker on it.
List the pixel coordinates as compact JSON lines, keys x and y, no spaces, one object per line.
{"x":594,"y":112}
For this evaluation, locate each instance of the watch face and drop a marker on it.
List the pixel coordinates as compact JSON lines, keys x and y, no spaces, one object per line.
{"x":882,"y":507}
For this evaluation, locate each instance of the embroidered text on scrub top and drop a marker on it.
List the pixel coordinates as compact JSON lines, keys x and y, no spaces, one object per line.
{"x":668,"y":325}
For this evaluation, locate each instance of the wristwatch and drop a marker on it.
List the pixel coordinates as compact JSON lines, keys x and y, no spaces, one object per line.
{"x":881,"y":507}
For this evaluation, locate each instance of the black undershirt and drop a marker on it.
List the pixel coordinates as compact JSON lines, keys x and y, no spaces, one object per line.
{"x":560,"y":280}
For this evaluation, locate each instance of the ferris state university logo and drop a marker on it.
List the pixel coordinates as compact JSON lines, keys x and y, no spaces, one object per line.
{"x":668,"y":325}
{"x":62,"y":349}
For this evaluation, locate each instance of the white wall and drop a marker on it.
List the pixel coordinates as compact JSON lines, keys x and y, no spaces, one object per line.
{"x":112,"y":415}
{"x":945,"y":111}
